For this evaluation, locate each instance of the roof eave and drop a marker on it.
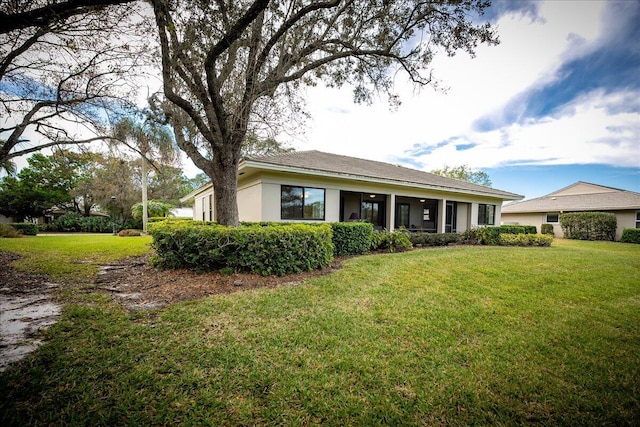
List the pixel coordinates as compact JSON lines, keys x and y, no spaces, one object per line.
{"x":196,"y":191}
{"x":317,"y":172}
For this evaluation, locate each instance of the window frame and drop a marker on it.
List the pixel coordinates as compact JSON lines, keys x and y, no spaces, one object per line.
{"x":303,"y":207}
{"x":548,"y":221}
{"x":637,"y":219}
{"x":483,"y":209}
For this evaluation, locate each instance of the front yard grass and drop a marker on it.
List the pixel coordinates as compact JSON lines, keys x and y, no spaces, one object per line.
{"x":73,"y":257}
{"x":465,"y":335}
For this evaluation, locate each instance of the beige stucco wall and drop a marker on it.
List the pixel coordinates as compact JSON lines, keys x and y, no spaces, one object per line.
{"x":250,"y":201}
{"x":201,"y":204}
{"x":533,"y":218}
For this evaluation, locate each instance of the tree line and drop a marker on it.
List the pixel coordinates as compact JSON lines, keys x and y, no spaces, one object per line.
{"x":85,"y":183}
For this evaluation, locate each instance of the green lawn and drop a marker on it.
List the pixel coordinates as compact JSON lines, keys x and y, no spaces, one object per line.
{"x":73,"y":257}
{"x":467,"y":335}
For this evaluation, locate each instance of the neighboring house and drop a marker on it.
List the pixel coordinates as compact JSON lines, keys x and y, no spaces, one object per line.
{"x":578,"y":197}
{"x":56,"y":212}
{"x":182,"y":212}
{"x":323,"y":187}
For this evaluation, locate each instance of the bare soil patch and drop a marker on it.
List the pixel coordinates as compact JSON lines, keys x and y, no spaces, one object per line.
{"x":137,"y":285}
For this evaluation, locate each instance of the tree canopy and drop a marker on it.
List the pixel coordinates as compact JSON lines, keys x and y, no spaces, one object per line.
{"x":254,"y":54}
{"x":464,"y":173}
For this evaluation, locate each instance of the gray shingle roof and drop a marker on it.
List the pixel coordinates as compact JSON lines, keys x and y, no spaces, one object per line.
{"x":607,"y":200}
{"x":368,"y":169}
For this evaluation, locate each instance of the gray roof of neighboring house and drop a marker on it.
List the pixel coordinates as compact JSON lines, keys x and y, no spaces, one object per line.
{"x":609,"y":199}
{"x":368,"y":169}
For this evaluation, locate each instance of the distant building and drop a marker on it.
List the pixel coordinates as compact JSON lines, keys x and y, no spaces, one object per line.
{"x":182,"y":212}
{"x":578,"y":197}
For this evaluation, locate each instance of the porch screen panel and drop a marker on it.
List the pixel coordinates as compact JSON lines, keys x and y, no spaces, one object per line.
{"x":403,"y":215}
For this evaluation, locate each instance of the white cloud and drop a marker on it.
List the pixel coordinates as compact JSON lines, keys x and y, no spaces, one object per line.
{"x":592,"y":129}
{"x":583,"y":132}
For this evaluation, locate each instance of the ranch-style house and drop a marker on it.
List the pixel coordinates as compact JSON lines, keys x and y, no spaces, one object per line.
{"x":323,"y":187}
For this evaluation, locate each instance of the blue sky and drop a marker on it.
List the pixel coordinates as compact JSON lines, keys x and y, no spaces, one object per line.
{"x":558,"y":101}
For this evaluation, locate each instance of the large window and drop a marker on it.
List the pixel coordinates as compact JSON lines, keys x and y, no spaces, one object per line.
{"x":638,"y":219}
{"x":486,"y":214}
{"x":301,"y":203}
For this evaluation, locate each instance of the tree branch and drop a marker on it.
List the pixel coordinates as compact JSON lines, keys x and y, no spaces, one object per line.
{"x":43,"y":16}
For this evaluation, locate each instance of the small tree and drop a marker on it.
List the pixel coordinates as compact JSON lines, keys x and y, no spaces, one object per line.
{"x":152,"y":141}
{"x":155,"y":208}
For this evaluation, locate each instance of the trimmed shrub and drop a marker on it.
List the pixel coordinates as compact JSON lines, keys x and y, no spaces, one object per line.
{"x":167,"y":218}
{"x":395,"y":241}
{"x":491,"y":235}
{"x":589,"y":225}
{"x":7,"y":230}
{"x":481,"y":236}
{"x":434,"y":239}
{"x":351,"y":238}
{"x":268,"y":250}
{"x":517,"y":229}
{"x":547,"y":229}
{"x":630,"y":235}
{"x":128,"y":233}
{"x":25,"y":228}
{"x":525,"y":239}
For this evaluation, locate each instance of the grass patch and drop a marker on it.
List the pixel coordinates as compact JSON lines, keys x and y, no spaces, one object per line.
{"x":476,"y":335}
{"x":72,"y":257}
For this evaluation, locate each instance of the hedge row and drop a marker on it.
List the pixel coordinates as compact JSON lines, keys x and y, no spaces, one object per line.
{"x":589,"y":225}
{"x":349,"y":238}
{"x":25,"y":228}
{"x":517,"y":229}
{"x":491,"y":235}
{"x":525,"y":239}
{"x":268,"y":250}
{"x":630,"y":235}
{"x":434,"y":239}
{"x":74,"y":222}
{"x":271,"y":248}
